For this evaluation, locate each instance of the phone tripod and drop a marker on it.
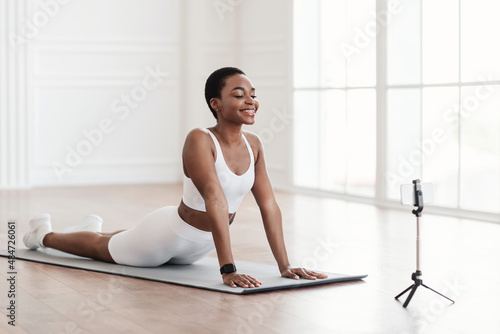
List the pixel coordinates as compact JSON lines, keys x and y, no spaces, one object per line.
{"x":416,"y":276}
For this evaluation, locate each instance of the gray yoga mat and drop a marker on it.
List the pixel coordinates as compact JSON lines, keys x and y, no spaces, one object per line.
{"x":203,"y":274}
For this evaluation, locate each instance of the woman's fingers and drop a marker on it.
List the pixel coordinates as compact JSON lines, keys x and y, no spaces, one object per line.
{"x":296,"y":273}
{"x":253,"y":280}
{"x":289,"y":274}
{"x":249,"y":281}
{"x":246,"y":281}
{"x":318,"y":275}
{"x":241,"y":280}
{"x":305,"y":273}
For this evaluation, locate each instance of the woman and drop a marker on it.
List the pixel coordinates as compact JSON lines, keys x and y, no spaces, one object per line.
{"x":221,"y":164}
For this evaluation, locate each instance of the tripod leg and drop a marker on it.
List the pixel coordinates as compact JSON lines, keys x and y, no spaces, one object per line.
{"x":439,"y":293}
{"x":414,"y":288}
{"x":402,"y":293}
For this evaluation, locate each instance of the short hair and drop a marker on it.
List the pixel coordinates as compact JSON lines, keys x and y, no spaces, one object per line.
{"x":216,"y":82}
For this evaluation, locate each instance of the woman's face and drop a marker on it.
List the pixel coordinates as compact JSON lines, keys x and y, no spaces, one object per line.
{"x":238,"y":101}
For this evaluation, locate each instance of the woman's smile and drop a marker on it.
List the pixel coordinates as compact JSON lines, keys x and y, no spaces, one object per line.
{"x":249,"y":111}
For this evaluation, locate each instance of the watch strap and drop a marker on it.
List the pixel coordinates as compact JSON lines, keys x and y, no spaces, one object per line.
{"x":227,"y":268}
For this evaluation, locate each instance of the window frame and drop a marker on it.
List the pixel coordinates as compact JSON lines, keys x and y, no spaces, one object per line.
{"x":382,"y":88}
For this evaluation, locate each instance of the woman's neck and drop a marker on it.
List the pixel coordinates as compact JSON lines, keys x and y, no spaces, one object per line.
{"x":229,"y":133}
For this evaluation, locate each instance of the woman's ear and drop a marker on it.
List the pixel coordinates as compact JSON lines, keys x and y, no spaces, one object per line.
{"x":214,"y":103}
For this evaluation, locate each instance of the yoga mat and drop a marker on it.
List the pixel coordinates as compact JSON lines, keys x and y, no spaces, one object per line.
{"x":203,"y":274}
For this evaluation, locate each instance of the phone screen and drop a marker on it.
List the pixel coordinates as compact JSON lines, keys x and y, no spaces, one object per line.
{"x":408,"y":193}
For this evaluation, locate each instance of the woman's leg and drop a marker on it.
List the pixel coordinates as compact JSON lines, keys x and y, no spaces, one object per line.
{"x":152,"y":242}
{"x":87,"y":244}
{"x":111,"y":234}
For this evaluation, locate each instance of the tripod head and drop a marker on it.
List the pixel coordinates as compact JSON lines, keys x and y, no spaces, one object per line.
{"x":419,"y":198}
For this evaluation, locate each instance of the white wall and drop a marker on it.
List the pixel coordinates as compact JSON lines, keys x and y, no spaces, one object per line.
{"x":265,"y":46}
{"x":86,"y":98}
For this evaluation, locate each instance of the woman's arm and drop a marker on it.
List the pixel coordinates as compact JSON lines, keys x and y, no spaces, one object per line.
{"x":271,"y":217}
{"x":199,"y":162}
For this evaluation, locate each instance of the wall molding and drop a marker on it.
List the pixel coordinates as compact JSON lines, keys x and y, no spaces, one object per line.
{"x":13,"y":117}
{"x":118,"y":163}
{"x":117,"y":40}
{"x":100,"y":54}
{"x":109,"y":63}
{"x":106,"y":82}
{"x":264,"y":48}
{"x":70,"y":47}
{"x":44,"y":177}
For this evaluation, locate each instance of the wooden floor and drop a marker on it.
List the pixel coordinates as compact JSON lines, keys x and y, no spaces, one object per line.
{"x":459,"y":258}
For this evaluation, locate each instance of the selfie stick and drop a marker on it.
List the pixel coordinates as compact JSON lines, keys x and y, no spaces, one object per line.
{"x":416,"y":276}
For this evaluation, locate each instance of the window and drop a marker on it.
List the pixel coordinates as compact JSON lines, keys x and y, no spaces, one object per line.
{"x":443,"y":100}
{"x":334,"y":98}
{"x":440,"y":73}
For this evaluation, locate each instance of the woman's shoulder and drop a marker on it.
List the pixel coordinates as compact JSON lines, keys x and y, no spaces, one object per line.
{"x":252,"y":138}
{"x":255,"y":143}
{"x":196,"y":137}
{"x":197,"y":132}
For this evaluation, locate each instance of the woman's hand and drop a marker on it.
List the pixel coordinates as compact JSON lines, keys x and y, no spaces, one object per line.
{"x":245,"y":281}
{"x":296,"y":273}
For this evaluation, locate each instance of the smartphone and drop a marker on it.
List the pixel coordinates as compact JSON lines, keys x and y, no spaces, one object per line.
{"x":408,"y":193}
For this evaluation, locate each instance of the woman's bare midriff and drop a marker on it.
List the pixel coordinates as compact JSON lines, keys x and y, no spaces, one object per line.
{"x":197,"y":219}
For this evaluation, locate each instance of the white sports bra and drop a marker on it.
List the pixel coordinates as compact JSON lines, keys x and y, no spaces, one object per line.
{"x":235,"y":187}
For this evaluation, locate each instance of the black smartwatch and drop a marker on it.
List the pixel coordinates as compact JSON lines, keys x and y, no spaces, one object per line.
{"x":227,"y":268}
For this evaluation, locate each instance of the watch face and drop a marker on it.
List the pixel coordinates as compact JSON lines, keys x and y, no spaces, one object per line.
{"x":228,"y":268}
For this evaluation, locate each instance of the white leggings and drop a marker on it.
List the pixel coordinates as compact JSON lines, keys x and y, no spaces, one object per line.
{"x":161,"y":237}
